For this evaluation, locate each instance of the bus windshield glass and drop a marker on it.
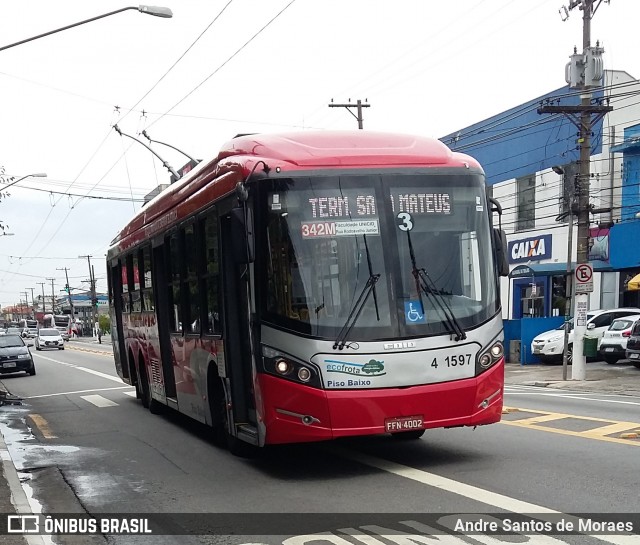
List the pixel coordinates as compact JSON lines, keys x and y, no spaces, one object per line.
{"x":327,"y":235}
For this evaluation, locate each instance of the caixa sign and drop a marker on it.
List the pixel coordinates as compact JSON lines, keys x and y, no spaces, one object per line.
{"x":530,"y":249}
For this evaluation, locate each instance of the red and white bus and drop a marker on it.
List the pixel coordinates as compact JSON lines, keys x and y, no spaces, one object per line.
{"x":315,"y":285}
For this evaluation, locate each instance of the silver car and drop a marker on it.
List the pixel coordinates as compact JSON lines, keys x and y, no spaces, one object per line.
{"x":49,"y":338}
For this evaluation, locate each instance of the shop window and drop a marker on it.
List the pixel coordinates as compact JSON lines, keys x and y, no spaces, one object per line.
{"x":526,"y":208}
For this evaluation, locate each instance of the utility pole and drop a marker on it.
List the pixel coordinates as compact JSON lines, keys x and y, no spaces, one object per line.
{"x":44,"y":306}
{"x":33,"y":303}
{"x":68,"y":289}
{"x":584,"y":72}
{"x":358,"y":105}
{"x":94,"y":298}
{"x":53,"y":296}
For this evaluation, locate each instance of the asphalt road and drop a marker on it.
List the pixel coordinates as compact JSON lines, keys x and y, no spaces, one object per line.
{"x":82,"y":443}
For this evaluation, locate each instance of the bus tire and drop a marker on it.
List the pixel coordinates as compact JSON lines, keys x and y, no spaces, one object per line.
{"x":408,"y":435}
{"x":154,"y":406}
{"x":217,"y":407}
{"x":143,"y":385}
{"x":220,"y":419}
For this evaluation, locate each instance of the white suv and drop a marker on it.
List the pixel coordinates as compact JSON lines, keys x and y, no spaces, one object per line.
{"x":614,"y":340}
{"x":549,"y":346}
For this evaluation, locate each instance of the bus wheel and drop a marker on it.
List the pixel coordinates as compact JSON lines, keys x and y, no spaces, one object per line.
{"x":407,"y":435}
{"x":220,"y":420}
{"x":217,"y":407}
{"x":143,"y":385}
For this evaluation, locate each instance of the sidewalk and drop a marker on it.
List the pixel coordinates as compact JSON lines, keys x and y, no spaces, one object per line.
{"x":611,"y":379}
{"x":91,"y":344}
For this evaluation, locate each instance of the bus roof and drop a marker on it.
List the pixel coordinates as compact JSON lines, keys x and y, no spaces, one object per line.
{"x":344,"y":149}
{"x":295,"y":151}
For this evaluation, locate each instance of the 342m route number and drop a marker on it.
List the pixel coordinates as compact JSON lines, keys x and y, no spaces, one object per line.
{"x":456,"y":360}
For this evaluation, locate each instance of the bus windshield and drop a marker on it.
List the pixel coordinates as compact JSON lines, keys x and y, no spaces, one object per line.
{"x":327,"y":235}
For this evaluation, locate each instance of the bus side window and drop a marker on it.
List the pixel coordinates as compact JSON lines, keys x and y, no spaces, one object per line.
{"x":173,"y":262}
{"x":210,"y":278}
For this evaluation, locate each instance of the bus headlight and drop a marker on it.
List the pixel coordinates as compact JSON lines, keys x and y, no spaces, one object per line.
{"x":283,"y":367}
{"x":485,"y":361}
{"x":497,"y":350}
{"x":287,"y":367}
{"x":489,"y":357}
{"x":304,"y":374}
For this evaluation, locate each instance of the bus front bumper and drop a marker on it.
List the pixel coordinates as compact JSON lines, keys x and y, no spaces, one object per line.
{"x":295,"y":413}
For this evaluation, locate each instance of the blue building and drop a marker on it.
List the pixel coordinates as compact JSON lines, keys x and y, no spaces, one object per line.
{"x":530,"y":160}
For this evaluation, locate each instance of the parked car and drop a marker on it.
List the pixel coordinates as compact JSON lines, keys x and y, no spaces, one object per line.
{"x":29,"y":332}
{"x":633,"y":345}
{"x":49,"y":337}
{"x":614,"y":340}
{"x":549,"y":346}
{"x":15,"y":355}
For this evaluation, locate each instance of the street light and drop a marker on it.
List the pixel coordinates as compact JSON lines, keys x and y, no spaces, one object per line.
{"x":36,"y":175}
{"x":156,"y":11}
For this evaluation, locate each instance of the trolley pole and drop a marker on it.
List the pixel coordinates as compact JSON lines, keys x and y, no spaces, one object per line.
{"x":358,"y":105}
{"x":581,"y":116}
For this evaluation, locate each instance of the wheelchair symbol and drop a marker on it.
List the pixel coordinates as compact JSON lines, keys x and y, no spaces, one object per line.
{"x":413,"y":312}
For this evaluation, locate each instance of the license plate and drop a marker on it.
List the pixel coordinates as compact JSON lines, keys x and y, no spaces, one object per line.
{"x":9,"y":364}
{"x":537,"y":349}
{"x":403,"y":423}
{"x":609,"y":349}
{"x":634,"y":356}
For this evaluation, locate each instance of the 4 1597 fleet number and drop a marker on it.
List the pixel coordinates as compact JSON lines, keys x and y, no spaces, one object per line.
{"x":455,"y":360}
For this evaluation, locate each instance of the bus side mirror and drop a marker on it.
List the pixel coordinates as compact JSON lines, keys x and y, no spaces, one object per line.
{"x":500,"y":243}
{"x":242,"y":235}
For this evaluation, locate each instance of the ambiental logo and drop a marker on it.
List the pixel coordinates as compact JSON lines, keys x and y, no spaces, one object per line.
{"x":373,"y":368}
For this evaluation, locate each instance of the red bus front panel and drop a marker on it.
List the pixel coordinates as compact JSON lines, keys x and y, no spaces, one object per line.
{"x":297,"y":413}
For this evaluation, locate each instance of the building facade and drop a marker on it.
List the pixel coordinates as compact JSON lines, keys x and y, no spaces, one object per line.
{"x":531,"y":163}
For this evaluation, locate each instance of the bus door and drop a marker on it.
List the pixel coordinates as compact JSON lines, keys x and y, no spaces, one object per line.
{"x":159,"y":278}
{"x":117,"y":332}
{"x":237,"y":347}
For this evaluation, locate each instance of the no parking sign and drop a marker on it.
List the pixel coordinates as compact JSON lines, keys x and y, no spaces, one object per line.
{"x":584,"y":278}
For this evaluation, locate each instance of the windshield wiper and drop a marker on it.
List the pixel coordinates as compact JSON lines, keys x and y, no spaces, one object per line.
{"x":356,"y":311}
{"x":425,"y":284}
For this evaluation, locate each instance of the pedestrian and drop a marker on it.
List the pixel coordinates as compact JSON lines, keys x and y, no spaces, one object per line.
{"x":99,"y":335}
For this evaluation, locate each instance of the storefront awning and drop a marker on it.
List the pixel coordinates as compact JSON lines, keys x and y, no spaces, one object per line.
{"x":634,"y":283}
{"x":552,"y":269}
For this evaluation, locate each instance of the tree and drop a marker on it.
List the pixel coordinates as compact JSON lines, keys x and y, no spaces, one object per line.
{"x":105,"y":323}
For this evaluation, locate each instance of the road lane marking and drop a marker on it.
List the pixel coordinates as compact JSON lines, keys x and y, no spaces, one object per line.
{"x":132,"y":393}
{"x":79,"y":392}
{"x":601,"y":433}
{"x":471,"y":492}
{"x":99,"y":401}
{"x":569,"y":395}
{"x":85,"y":369}
{"x":42,"y":425}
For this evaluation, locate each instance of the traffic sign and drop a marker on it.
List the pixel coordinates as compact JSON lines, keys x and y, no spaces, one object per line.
{"x":584,"y":278}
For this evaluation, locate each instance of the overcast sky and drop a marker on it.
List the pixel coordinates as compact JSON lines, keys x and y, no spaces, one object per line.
{"x":220,"y":67}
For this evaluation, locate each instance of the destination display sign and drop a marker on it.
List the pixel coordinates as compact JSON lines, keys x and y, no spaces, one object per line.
{"x":317,"y":229}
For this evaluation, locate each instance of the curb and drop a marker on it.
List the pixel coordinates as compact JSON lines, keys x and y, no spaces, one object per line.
{"x":18,"y":496}
{"x":91,"y":350}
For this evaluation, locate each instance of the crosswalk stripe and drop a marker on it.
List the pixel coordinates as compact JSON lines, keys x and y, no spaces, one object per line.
{"x":99,"y":401}
{"x":132,"y":393}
